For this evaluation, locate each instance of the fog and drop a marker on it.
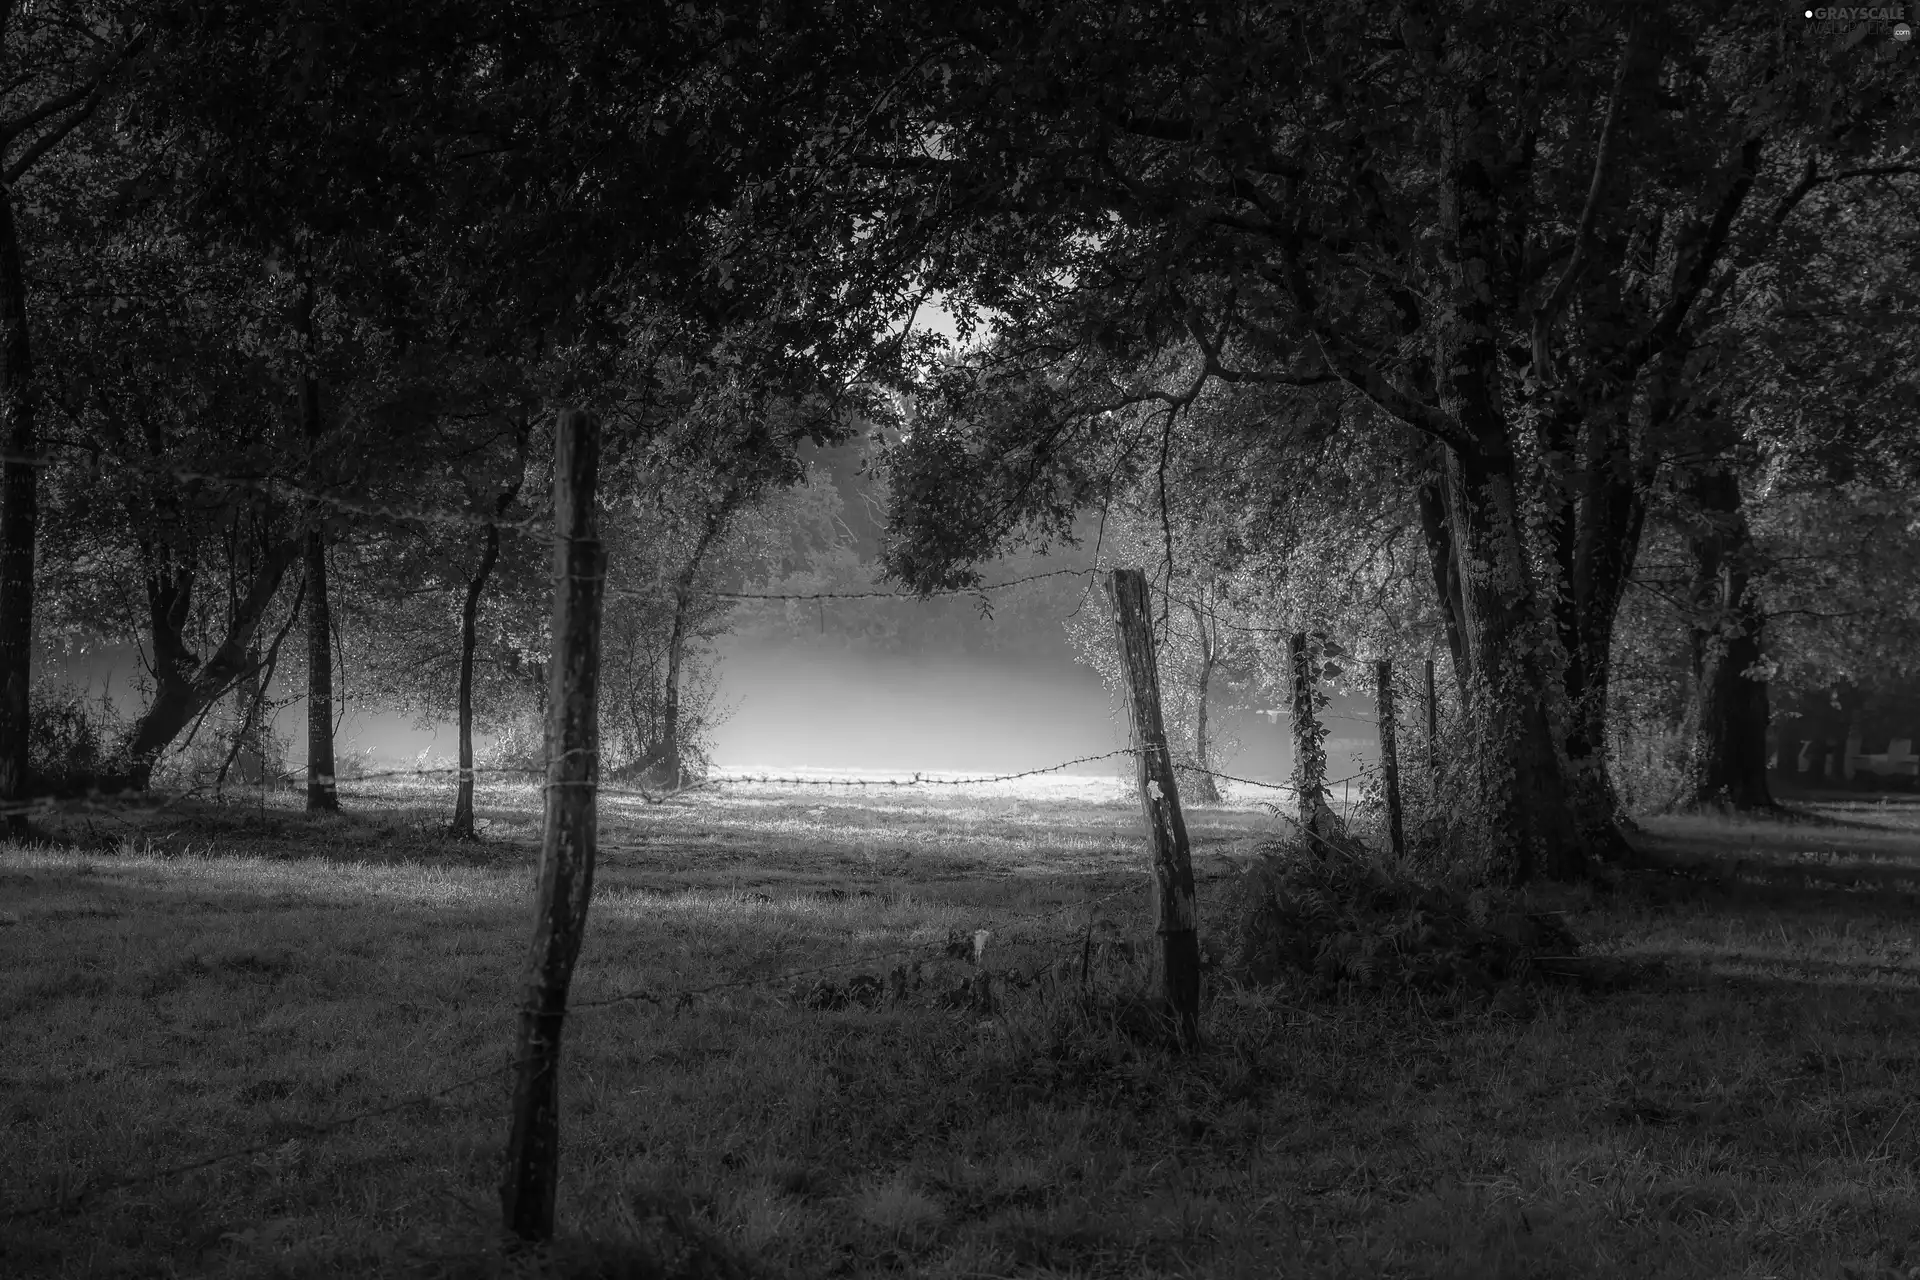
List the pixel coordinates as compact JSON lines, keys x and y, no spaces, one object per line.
{"x":850,"y":712}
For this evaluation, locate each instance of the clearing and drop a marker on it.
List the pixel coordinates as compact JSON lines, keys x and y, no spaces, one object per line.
{"x":185,"y":982}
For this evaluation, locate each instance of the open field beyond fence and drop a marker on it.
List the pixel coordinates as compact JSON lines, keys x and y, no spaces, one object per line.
{"x":757,"y":1063}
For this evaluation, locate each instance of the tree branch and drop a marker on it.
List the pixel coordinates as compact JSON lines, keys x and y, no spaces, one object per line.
{"x":1342,"y":355}
{"x":47,"y":142}
{"x":1549,"y":311}
{"x":1711,"y":245}
{"x":11,"y":129}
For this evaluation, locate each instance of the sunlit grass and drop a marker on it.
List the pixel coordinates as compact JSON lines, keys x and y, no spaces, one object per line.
{"x":185,"y":982}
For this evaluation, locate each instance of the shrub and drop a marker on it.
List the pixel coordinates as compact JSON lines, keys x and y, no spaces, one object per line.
{"x":519,"y":743}
{"x":72,"y":743}
{"x":1333,"y":921}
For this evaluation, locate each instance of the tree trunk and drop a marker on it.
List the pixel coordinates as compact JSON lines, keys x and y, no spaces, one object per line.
{"x":670,"y":767}
{"x":1593,"y":535}
{"x":1203,"y":789}
{"x":1160,"y":807}
{"x":1727,"y":757}
{"x":183,"y":686}
{"x":19,"y":519}
{"x":249,"y":754}
{"x":322,"y":791}
{"x":1442,"y":562}
{"x":1519,"y":797}
{"x":567,"y":850}
{"x":1389,"y":757}
{"x":1433,"y":726}
{"x":1316,"y":815}
{"x":469,"y":631}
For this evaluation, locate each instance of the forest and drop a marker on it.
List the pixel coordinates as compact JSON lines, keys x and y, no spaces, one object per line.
{"x":1530,"y":386}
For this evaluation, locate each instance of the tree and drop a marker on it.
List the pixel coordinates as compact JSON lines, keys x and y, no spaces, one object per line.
{"x":64,"y":61}
{"x":490,"y":498}
{"x":1503,"y":270}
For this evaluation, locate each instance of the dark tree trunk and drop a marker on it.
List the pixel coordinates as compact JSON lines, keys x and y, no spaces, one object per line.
{"x":19,"y":519}
{"x":1202,"y":789}
{"x":1593,"y":535}
{"x":183,"y":686}
{"x":1442,"y":563}
{"x":1433,"y":725}
{"x":1518,"y":794}
{"x":323,"y":792}
{"x":1727,"y":757}
{"x":469,"y":634}
{"x":247,"y":695}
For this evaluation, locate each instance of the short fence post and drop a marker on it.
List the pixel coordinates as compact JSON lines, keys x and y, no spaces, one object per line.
{"x":1160,"y":805}
{"x":1389,"y":756}
{"x":566,"y":852}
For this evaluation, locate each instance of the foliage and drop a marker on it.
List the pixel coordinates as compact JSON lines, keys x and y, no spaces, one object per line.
{"x":74,"y":741}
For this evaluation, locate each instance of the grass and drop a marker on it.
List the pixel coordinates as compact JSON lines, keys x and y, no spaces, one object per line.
{"x":183,"y":982}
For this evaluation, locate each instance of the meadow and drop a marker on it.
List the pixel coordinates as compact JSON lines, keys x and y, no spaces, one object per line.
{"x":781,"y":1063}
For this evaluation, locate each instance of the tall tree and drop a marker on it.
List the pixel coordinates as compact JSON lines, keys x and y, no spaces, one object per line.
{"x":63,"y":60}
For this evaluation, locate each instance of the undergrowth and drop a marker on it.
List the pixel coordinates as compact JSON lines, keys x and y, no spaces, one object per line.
{"x":1333,"y":920}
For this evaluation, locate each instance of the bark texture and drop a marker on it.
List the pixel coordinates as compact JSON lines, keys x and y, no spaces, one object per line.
{"x":1519,"y":799}
{"x":567,"y":849}
{"x":1177,"y":918}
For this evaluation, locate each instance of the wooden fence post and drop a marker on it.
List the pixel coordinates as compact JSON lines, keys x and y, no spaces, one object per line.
{"x":1389,"y":756}
{"x":1160,"y":805}
{"x":1309,"y":754}
{"x":566,"y":851}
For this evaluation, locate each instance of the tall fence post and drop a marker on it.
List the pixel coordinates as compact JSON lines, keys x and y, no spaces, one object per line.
{"x":1309,"y":752}
{"x":566,"y":851}
{"x":1433,"y":727}
{"x":1389,"y":756}
{"x":1160,"y":805}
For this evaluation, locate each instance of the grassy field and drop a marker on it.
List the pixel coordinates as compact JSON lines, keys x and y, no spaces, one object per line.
{"x":187,"y":982}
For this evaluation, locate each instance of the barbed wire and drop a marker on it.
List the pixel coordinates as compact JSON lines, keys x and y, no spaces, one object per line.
{"x":100,"y":802}
{"x":881,"y":595}
{"x":676,"y":1000}
{"x":918,"y":779}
